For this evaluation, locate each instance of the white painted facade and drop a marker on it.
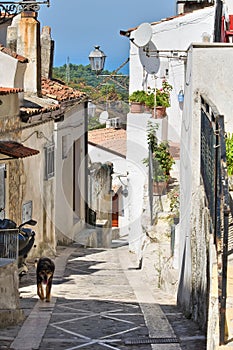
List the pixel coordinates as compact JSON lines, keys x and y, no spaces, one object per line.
{"x":14,"y":74}
{"x":171,"y":35}
{"x":37,"y":190}
{"x":137,"y":151}
{"x":69,"y":138}
{"x":193,"y":216}
{"x":97,"y":154}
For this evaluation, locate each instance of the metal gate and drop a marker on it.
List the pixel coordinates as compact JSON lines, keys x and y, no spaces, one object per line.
{"x":215,"y":179}
{"x":9,"y":244}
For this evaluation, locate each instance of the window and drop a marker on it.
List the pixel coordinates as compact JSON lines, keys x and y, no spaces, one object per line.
{"x":49,"y":161}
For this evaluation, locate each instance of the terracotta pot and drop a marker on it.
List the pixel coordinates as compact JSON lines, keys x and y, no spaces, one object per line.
{"x":159,"y":188}
{"x":160,"y":112}
{"x":136,"y":107}
{"x":147,"y":109}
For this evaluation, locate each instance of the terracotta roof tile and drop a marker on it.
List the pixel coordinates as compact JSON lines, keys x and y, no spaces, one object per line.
{"x":59,"y":92}
{"x":13,"y":54}
{"x":7,"y":91}
{"x":128,"y":31}
{"x":110,"y":139}
{"x":32,"y":111}
{"x":16,"y":150}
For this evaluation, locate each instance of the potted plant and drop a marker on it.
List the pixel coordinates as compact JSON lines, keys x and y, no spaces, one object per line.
{"x":159,"y":99}
{"x":162,"y":160}
{"x":229,"y":158}
{"x":137,"y":101}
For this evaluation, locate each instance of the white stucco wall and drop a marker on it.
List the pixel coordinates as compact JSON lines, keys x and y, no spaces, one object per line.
{"x":38,"y":190}
{"x":97,"y":154}
{"x":175,"y":34}
{"x":229,"y":5}
{"x":137,"y":150}
{"x":73,"y":127}
{"x":9,"y":105}
{"x":8,"y":67}
{"x":204,"y":61}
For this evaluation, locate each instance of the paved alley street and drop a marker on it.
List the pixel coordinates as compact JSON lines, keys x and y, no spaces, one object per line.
{"x":100,"y":300}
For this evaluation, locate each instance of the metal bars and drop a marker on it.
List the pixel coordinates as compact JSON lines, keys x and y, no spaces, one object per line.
{"x":215,"y":179}
{"x":9,"y":244}
{"x":13,"y":8}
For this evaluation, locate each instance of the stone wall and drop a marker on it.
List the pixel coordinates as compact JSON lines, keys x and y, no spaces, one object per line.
{"x":10,"y":312}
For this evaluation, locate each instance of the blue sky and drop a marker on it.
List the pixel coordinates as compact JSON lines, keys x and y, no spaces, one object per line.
{"x":79,"y":25}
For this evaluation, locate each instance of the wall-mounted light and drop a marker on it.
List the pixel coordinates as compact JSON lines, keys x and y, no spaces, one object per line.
{"x":97,"y":60}
{"x":125,"y":191}
{"x":181,"y":96}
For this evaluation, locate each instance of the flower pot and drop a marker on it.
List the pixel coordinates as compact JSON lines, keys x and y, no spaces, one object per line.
{"x":160,"y":112}
{"x":159,"y":188}
{"x":136,"y":107}
{"x":147,"y":109}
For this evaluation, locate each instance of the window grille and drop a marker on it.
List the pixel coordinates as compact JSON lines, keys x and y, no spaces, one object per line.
{"x":49,"y":162}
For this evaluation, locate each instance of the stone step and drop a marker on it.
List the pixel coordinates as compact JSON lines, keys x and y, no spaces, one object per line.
{"x":87,"y":238}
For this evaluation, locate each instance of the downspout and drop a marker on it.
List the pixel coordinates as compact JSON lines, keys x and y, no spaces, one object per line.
{"x":86,"y":159}
{"x":218,"y":21}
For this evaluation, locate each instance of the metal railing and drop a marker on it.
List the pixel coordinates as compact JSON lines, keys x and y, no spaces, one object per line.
{"x":215,"y":179}
{"x":9,"y":244}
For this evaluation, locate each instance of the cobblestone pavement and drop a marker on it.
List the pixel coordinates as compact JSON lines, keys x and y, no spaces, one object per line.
{"x":101,"y":300}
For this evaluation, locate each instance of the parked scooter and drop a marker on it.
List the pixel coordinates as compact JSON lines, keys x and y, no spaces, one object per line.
{"x":26,"y":238}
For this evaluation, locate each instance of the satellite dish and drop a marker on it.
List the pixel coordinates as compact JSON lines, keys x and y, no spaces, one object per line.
{"x":142,"y":35}
{"x":150,"y":62}
{"x":103,"y":117}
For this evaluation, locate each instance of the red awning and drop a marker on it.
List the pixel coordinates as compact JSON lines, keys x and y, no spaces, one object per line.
{"x":16,"y":150}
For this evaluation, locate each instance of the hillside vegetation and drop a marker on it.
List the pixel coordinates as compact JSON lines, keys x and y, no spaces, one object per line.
{"x":97,"y":87}
{"x":107,"y":94}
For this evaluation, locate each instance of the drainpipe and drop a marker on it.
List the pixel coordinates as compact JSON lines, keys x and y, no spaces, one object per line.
{"x":86,"y":158}
{"x":218,"y":21}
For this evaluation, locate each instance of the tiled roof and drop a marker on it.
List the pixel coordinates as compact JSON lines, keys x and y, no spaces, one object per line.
{"x":113,"y":140}
{"x":59,"y":92}
{"x":13,"y":54}
{"x":16,"y":150}
{"x":128,"y":31}
{"x":32,"y":111}
{"x":7,"y":91}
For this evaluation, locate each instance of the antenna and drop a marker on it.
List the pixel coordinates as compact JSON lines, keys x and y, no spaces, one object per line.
{"x":103,"y":117}
{"x":68,"y":70}
{"x":150,"y":64}
{"x":142,"y":35}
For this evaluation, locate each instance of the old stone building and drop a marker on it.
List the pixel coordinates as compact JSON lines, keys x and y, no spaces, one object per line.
{"x":48,"y":120}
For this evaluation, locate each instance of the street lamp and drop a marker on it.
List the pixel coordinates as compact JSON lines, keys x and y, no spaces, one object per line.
{"x":97,"y":60}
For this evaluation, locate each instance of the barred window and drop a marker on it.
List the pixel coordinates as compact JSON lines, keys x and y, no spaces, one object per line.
{"x":49,"y":161}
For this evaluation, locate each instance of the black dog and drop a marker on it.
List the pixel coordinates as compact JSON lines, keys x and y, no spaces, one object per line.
{"x":44,"y":273}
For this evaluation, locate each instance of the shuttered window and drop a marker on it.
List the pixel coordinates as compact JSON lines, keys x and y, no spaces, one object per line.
{"x":49,"y":161}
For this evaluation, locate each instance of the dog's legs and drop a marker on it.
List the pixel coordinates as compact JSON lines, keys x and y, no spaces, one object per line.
{"x":40,"y":291}
{"x":48,"y":290}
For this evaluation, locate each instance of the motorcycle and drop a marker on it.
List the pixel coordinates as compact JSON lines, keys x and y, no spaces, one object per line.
{"x":26,"y":239}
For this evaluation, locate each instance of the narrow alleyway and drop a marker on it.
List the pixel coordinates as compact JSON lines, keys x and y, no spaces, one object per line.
{"x":101,"y":300}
